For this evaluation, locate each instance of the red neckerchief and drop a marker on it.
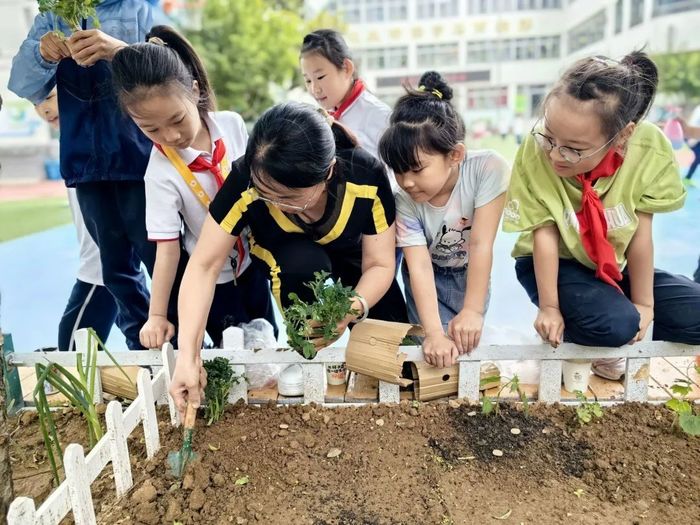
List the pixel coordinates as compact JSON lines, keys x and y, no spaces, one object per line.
{"x":201,"y":164}
{"x":592,"y":224}
{"x":357,"y":88}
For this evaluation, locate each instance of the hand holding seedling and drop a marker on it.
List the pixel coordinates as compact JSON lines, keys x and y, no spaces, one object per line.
{"x":465,"y":329}
{"x":550,"y":325}
{"x":439,"y":350}
{"x":311,"y":327}
{"x":188,"y":383}
{"x":53,"y":48}
{"x":91,"y":45}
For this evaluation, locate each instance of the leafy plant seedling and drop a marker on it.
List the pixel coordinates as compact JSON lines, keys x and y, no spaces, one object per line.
{"x":683,"y":417}
{"x":304,"y":321}
{"x":72,"y":11}
{"x":220,"y":379}
{"x":586,"y":411}
{"x":488,"y":406}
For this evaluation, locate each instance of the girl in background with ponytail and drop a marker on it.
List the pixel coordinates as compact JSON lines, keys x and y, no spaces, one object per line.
{"x":447,"y":215}
{"x":331,"y":78}
{"x":586,"y":185}
{"x":163,"y":86}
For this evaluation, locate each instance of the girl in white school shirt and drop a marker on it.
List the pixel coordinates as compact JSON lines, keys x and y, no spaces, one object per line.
{"x":163,"y":86}
{"x":331,"y":78}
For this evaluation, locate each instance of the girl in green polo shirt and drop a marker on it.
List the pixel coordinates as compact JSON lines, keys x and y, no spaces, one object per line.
{"x":585,"y":186}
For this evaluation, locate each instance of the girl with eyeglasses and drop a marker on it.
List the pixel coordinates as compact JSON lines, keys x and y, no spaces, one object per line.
{"x":163,"y":87}
{"x":313,"y":202}
{"x":584,"y":189}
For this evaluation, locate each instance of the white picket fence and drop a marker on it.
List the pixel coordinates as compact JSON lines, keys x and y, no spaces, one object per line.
{"x":81,"y":471}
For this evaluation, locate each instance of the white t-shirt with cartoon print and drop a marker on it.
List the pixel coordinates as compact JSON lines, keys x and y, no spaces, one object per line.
{"x":445,"y":230}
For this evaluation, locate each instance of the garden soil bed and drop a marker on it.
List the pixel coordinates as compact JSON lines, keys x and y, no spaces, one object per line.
{"x":405,"y":464}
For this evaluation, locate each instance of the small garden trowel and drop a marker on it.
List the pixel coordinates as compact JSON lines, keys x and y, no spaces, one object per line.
{"x":178,"y":460}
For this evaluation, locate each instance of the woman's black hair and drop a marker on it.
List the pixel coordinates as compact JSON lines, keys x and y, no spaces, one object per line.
{"x":295,"y":145}
{"x":423,"y":119}
{"x":166,"y":59}
{"x":330,"y":44}
{"x":623,"y":91}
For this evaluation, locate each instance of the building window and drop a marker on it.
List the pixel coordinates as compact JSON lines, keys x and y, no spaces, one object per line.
{"x":396,"y":9}
{"x":487,"y":98}
{"x":665,"y":7}
{"x":349,"y":10}
{"x":619,"y":6}
{"x":385,"y":58}
{"x":636,"y":12}
{"x":588,"y":32}
{"x":374,"y":11}
{"x":482,"y":7}
{"x":437,"y":55}
{"x":533,"y":48}
{"x":437,"y":8}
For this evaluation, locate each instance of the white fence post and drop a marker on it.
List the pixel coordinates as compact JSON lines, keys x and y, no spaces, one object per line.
{"x":233,"y":340}
{"x":119,"y":450}
{"x":313,"y":382}
{"x":78,"y":485}
{"x":469,"y":377}
{"x":389,"y":392}
{"x":21,"y":512}
{"x":81,"y":338}
{"x":169,"y":367}
{"x":550,"y":381}
{"x":150,"y":420}
{"x":637,"y":379}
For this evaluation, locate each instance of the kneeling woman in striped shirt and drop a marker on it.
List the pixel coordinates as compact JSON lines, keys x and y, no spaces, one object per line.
{"x":313,"y":201}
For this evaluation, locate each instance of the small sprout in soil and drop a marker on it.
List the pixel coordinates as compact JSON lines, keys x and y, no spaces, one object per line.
{"x":488,"y":405}
{"x":578,"y":493}
{"x":242,"y":481}
{"x":220,"y":379}
{"x":304,"y":321}
{"x":446,"y":520}
{"x":587,"y":410}
{"x":213,"y":448}
{"x":683,"y":417}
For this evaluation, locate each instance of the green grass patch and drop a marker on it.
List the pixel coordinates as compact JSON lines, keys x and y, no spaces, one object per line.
{"x":507,"y":147}
{"x":20,"y":218}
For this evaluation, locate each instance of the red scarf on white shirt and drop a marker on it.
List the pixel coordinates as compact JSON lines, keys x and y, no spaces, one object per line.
{"x":357,"y":88}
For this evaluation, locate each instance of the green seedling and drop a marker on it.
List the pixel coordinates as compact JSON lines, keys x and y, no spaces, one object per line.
{"x":318,"y":320}
{"x":586,"y":411}
{"x":72,"y":11}
{"x":78,"y":389}
{"x":220,"y":379}
{"x":489,"y":406}
{"x":683,"y":416}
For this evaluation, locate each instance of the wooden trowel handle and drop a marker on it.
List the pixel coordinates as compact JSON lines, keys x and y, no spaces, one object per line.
{"x":190,"y":416}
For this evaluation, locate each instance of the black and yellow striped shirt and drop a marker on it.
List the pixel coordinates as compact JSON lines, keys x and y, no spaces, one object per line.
{"x":359,"y":203}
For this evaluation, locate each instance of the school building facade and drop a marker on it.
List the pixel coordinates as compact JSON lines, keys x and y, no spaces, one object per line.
{"x":501,"y":56}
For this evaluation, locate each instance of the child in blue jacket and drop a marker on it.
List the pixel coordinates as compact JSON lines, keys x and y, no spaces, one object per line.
{"x":102,"y":153}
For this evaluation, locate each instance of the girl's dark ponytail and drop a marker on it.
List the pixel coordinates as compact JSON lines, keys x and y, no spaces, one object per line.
{"x":165,"y":58}
{"x":647,"y":80}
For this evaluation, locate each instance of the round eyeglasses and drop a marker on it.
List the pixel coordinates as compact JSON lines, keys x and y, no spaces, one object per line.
{"x":570,"y":155}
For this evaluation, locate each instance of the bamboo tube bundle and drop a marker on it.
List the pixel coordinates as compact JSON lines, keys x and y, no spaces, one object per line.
{"x":373,"y":349}
{"x":114,"y":382}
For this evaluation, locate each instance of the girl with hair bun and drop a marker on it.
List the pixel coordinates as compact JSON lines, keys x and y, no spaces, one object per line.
{"x":586,"y":185}
{"x":447,"y":215}
{"x":163,"y":87}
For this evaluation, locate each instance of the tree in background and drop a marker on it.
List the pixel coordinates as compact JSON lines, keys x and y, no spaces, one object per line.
{"x":679,"y":74}
{"x":247,"y":46}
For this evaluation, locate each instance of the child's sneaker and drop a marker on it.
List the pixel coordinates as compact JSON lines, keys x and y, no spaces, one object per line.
{"x":612,"y":369}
